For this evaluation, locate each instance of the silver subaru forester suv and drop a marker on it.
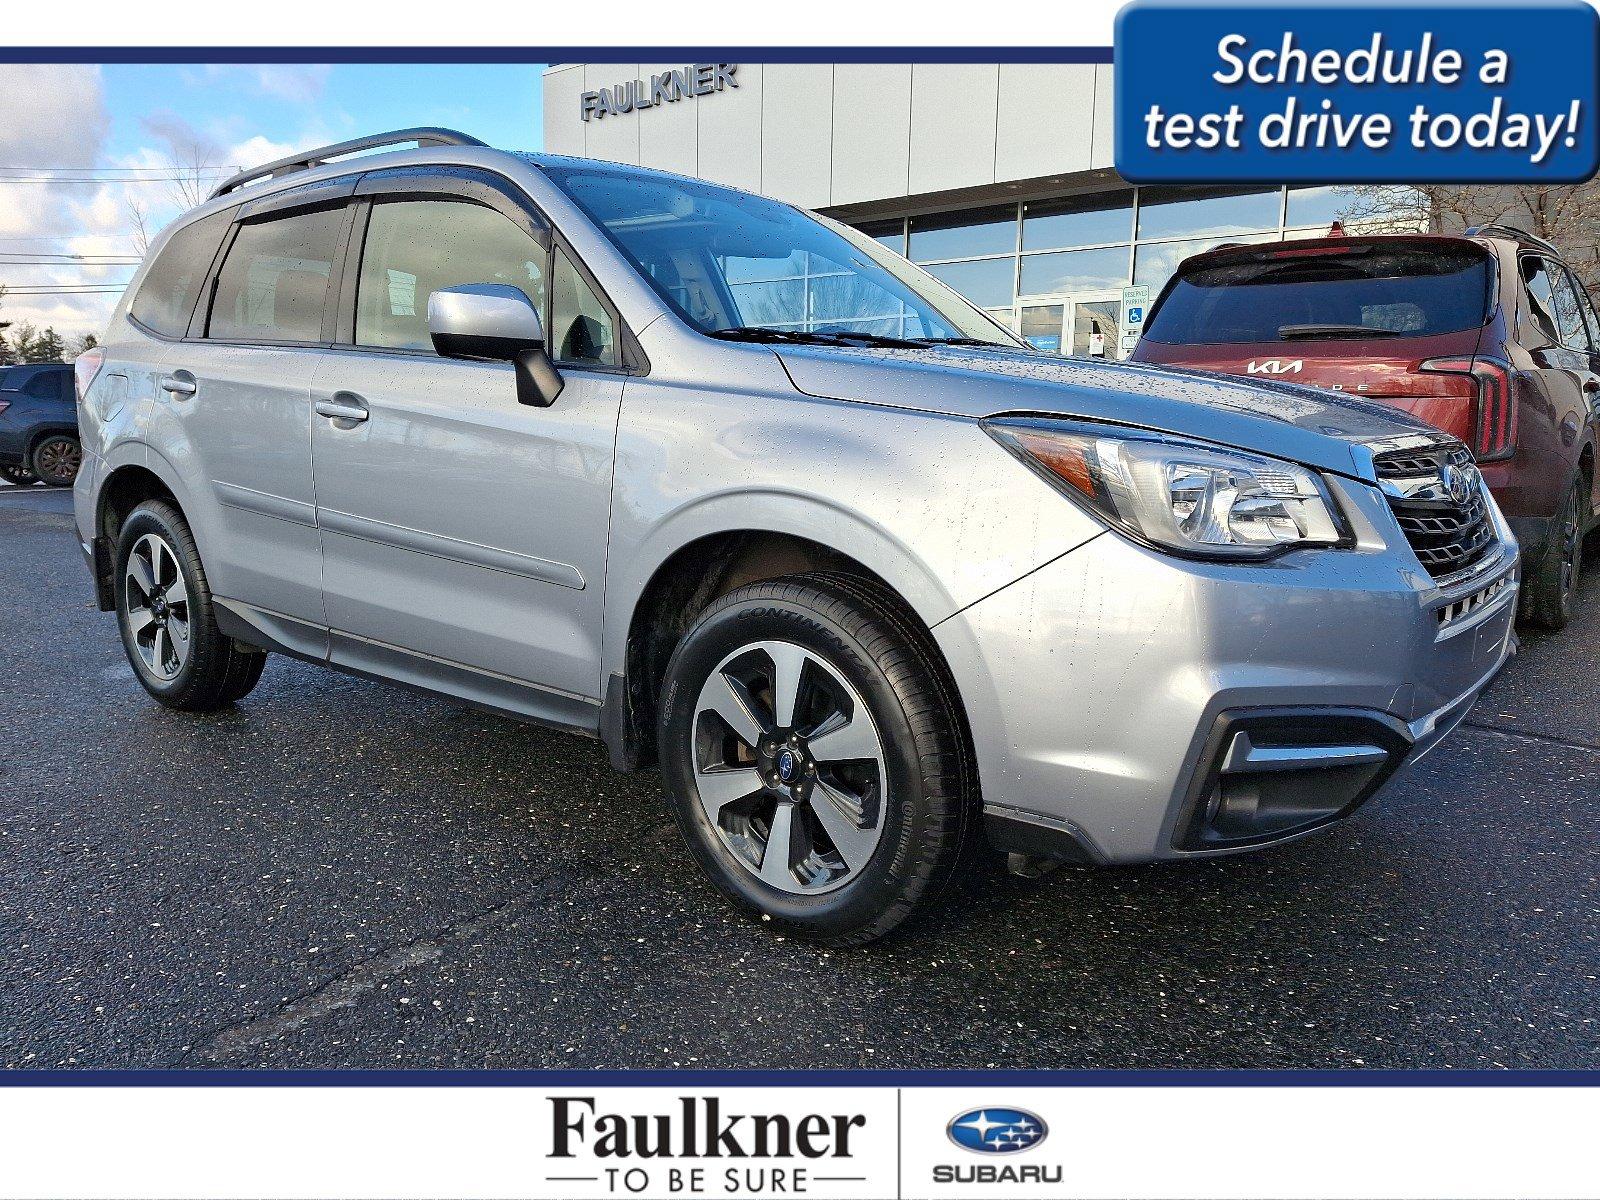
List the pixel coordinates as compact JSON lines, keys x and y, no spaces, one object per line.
{"x":743,"y":494}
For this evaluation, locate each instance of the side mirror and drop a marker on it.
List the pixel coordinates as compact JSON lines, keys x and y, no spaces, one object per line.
{"x":496,"y":321}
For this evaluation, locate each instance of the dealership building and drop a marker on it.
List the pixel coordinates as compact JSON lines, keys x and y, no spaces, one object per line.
{"x":997,"y":178}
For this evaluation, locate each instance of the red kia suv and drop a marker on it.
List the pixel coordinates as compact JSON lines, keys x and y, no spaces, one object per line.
{"x":1488,"y":336}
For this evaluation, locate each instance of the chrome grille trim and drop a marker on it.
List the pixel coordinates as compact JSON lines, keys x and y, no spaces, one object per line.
{"x":1446,"y":536}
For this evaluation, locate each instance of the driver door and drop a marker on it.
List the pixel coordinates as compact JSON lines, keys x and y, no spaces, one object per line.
{"x":464,"y":534}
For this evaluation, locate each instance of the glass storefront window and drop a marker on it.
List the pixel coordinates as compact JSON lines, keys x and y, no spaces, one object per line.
{"x":888,"y":233}
{"x":1074,"y":271}
{"x":964,"y":235}
{"x":1320,"y":206}
{"x":988,"y":283}
{"x":1174,"y":212}
{"x":1077,"y":221}
{"x":1041,"y":326}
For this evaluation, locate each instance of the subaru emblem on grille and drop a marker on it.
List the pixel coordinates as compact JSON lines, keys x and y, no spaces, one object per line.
{"x":1460,"y":482}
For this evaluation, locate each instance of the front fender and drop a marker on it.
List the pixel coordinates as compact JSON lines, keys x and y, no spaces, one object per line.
{"x":771,"y":511}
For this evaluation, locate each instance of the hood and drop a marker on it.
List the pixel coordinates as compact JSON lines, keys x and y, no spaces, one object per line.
{"x":1318,"y":429}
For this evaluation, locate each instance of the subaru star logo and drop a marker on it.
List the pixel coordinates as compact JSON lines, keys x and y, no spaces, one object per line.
{"x":997,"y":1130}
{"x":1459,"y":482}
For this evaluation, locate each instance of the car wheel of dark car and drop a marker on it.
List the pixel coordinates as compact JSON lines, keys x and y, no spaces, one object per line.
{"x":1553,"y":586}
{"x":169,"y":628}
{"x":20,"y":476}
{"x":814,"y":758}
{"x":56,"y":460}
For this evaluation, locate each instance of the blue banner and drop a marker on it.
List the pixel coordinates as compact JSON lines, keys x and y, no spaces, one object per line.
{"x":1357,"y":93}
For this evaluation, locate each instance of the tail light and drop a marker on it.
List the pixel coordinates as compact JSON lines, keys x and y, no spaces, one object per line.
{"x":84,"y":368}
{"x":1494,"y":426}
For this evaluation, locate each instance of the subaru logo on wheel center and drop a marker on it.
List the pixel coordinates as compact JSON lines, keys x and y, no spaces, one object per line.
{"x":788,"y":765}
{"x":997,"y":1130}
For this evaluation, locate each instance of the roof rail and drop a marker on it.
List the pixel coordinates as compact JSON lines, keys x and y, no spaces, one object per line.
{"x":1499,"y":228}
{"x":425,"y":135}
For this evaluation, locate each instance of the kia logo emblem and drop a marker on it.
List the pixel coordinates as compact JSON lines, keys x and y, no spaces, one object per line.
{"x":1275,"y":366}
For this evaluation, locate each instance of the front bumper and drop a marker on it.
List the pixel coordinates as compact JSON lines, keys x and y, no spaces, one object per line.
{"x":1128,"y":706}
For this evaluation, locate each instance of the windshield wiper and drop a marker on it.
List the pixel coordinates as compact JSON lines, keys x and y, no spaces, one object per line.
{"x":1289,"y":333}
{"x":966,"y":341}
{"x":814,"y":337}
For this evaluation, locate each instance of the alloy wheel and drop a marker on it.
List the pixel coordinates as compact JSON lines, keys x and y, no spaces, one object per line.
{"x":157,"y":603}
{"x":58,"y":460}
{"x":789,"y":767}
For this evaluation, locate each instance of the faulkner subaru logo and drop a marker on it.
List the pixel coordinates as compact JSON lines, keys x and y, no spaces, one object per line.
{"x":997,"y":1131}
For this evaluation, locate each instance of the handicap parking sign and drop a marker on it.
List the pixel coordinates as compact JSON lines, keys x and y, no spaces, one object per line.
{"x":1135,"y":316}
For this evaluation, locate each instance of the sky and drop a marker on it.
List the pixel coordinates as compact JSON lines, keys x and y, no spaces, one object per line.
{"x":85,"y":149}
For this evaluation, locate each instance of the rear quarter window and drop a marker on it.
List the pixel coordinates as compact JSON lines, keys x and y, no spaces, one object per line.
{"x":166,"y":298}
{"x":1407,"y":291}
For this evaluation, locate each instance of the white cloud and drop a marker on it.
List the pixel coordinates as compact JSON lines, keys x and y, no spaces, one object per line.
{"x":296,"y":83}
{"x":55,"y":117}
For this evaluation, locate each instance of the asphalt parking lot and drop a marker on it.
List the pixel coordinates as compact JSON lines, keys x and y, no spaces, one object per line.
{"x":343,"y":874}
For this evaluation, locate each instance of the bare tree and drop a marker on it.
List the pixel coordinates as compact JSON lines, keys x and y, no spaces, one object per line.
{"x":1567,"y":215}
{"x":188,"y":176}
{"x":138,"y":227}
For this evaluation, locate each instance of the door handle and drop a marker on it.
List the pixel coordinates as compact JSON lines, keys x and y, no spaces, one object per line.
{"x":343,"y":406}
{"x":180,"y":385}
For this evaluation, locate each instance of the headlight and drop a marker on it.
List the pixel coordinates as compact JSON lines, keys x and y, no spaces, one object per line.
{"x":1179,"y":495}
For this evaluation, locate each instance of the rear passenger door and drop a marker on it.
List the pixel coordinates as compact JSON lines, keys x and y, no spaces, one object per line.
{"x":239,"y":392}
{"x":464,"y":534}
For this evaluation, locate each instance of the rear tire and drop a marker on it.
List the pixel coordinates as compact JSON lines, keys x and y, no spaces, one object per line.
{"x":167,"y":619}
{"x":56,"y":460}
{"x":876,"y":804}
{"x":1552,"y":587}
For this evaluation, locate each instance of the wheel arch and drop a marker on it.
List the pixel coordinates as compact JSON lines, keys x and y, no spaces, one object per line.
{"x":49,"y":429}
{"x":684,"y":580}
{"x":121,"y":488}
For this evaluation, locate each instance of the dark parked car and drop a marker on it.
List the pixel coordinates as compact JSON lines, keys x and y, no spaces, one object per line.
{"x":1488,"y":336}
{"x":39,"y":424}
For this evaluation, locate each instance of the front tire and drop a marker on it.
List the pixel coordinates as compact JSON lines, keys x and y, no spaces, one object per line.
{"x":1553,"y":587}
{"x":56,"y":460}
{"x":815,"y":758}
{"x":167,"y":620}
{"x":20,"y":476}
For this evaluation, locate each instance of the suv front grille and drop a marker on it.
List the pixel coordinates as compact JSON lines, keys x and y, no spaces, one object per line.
{"x":1447,"y":536}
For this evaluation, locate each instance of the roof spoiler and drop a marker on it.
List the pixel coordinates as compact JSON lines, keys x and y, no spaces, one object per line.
{"x":426,"y":135}
{"x":1499,"y":229}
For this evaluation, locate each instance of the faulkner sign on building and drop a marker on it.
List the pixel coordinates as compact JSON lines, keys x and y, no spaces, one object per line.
{"x":698,"y":79}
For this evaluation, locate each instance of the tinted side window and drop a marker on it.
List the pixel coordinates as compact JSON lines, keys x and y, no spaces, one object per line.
{"x":581,"y":330}
{"x":1569,"y":317}
{"x":1569,"y":311}
{"x":414,"y":248}
{"x":47,"y":385}
{"x":165,"y":299}
{"x":274,"y":281}
{"x":1541,"y":295}
{"x":1590,"y":318}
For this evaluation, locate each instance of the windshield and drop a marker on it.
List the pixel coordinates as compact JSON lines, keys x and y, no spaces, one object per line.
{"x":1364,"y":291}
{"x":741,"y":266}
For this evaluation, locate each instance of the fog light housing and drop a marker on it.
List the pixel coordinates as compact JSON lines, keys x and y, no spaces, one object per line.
{"x":1273,"y":773}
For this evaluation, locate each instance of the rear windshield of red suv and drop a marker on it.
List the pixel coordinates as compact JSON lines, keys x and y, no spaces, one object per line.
{"x":1366,"y":291}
